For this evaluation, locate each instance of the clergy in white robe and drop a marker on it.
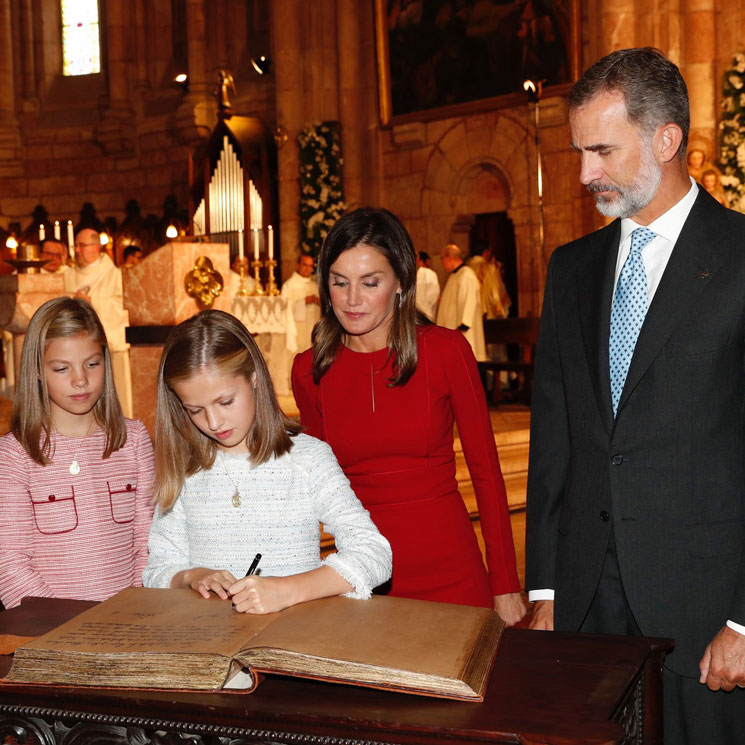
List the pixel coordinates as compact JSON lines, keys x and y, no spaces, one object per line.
{"x":301,"y":291}
{"x":54,"y":252}
{"x":460,"y":304}
{"x":427,"y":287}
{"x":96,"y":279}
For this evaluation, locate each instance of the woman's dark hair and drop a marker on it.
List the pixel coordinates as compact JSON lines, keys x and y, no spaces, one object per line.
{"x":382,"y":230}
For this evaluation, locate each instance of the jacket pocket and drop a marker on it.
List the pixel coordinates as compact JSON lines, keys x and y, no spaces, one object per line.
{"x":716,"y":539}
{"x":122,"y":498}
{"x":55,"y":513}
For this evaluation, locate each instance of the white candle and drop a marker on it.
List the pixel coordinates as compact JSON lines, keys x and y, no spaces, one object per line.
{"x":270,"y":231}
{"x":42,"y":233}
{"x":240,"y":244}
{"x":70,"y":239}
{"x":56,"y":230}
{"x":255,"y":240}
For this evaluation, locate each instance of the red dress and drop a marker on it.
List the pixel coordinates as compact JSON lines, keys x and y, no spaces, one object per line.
{"x":396,"y":447}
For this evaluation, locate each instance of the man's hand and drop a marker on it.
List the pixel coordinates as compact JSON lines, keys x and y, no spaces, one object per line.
{"x":723,"y":663}
{"x":543,"y":615}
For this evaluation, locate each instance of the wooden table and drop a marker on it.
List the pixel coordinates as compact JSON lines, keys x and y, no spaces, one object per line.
{"x":546,"y":688}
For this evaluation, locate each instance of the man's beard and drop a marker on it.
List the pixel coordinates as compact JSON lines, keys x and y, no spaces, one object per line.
{"x":636,"y":195}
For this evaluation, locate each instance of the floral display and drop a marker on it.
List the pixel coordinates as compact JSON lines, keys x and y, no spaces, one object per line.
{"x":321,"y":190}
{"x":732,"y":143}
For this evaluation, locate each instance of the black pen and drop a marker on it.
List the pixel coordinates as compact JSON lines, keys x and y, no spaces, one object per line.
{"x":254,"y":565}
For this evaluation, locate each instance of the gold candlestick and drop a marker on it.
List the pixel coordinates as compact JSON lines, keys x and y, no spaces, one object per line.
{"x":258,"y":289}
{"x":242,"y":265}
{"x":271,"y":287}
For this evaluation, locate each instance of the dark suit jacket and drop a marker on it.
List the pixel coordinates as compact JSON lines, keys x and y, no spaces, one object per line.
{"x":668,"y":475}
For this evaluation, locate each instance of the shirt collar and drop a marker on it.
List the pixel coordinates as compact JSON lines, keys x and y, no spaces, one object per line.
{"x":668,"y":224}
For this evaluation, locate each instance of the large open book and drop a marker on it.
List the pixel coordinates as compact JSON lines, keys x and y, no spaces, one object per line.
{"x":151,"y":638}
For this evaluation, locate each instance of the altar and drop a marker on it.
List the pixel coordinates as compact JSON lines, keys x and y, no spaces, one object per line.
{"x":157,"y":297}
{"x":272,"y":324}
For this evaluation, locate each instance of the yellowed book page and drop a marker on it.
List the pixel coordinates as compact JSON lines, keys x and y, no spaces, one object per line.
{"x":417,"y":636}
{"x":151,"y":620}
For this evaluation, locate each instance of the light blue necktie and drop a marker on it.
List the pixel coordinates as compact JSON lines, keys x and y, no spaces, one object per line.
{"x":627,"y":313}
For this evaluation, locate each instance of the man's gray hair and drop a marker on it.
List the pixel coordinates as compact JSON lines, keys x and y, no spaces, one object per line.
{"x":451,"y":250}
{"x":652,"y":86}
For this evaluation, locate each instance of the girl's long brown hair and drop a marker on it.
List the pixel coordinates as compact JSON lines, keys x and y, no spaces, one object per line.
{"x":383,"y":231}
{"x":210,"y":340}
{"x":31,"y":420}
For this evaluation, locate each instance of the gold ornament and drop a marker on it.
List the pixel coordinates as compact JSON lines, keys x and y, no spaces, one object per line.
{"x":203,"y":283}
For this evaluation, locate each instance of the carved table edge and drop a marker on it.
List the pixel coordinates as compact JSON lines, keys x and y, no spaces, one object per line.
{"x":187,"y":728}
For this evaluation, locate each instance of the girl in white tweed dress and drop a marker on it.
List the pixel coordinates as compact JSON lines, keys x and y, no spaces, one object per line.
{"x":235,"y":478}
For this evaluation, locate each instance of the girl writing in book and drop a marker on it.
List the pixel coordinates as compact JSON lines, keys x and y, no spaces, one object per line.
{"x":236,"y":478}
{"x":76,"y":475}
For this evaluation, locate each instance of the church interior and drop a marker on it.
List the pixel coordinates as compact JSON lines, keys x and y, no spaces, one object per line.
{"x":137,"y":118}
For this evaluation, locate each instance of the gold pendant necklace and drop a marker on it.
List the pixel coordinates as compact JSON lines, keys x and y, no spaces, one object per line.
{"x":235,"y":500}
{"x":74,"y":468}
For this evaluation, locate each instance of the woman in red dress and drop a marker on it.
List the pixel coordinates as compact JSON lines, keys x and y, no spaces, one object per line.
{"x":383,"y":387}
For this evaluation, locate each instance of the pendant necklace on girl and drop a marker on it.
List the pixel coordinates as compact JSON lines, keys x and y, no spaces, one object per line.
{"x":236,"y":498}
{"x":74,"y":468}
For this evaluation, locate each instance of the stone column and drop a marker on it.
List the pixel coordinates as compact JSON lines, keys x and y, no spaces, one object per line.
{"x":699,"y":70}
{"x":195,"y":116}
{"x":115,"y":132}
{"x":286,"y":38}
{"x":10,"y":139}
{"x":358,"y":103}
{"x":28,"y":88}
{"x":617,"y":27}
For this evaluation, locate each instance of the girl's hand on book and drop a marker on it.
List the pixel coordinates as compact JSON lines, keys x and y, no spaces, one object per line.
{"x":205,"y":581}
{"x":262,"y":594}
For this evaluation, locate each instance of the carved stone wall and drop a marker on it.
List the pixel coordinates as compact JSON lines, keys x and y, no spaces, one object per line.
{"x":128,"y":132}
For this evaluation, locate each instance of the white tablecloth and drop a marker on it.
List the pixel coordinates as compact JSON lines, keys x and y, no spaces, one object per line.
{"x":271,"y":322}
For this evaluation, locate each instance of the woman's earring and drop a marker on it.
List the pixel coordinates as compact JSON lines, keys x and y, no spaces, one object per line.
{"x":398,"y":294}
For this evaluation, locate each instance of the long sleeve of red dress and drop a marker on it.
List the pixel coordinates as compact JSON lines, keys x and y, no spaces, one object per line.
{"x":396,"y":447}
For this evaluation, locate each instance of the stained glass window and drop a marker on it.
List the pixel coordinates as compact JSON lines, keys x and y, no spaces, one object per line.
{"x":81,"y":41}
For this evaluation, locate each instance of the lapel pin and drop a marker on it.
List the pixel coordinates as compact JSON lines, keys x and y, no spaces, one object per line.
{"x":704,"y":273}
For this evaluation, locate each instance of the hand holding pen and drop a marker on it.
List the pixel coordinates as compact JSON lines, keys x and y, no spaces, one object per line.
{"x":254,"y":565}
{"x":251,"y":570}
{"x":254,"y":594}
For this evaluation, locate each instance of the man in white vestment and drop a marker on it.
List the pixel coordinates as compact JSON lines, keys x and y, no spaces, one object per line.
{"x":96,"y":279}
{"x":460,"y":304}
{"x":234,"y":280}
{"x":301,"y":291}
{"x":427,"y":287}
{"x":54,"y":252}
{"x":495,"y":300}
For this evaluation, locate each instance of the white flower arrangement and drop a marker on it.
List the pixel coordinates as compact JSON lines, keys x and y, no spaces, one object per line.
{"x":321,"y":190}
{"x":732,"y":140}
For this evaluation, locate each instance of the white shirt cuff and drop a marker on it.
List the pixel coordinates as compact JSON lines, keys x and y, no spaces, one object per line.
{"x":739,"y":628}
{"x":534,"y":595}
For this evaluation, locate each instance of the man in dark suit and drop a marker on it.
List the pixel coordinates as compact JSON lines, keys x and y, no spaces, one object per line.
{"x":636,"y":488}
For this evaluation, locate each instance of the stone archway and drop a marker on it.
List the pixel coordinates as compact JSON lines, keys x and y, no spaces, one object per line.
{"x":483,"y":164}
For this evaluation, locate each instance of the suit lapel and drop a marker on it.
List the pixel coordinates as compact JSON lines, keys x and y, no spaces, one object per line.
{"x":697,"y":255}
{"x":595,"y":291}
